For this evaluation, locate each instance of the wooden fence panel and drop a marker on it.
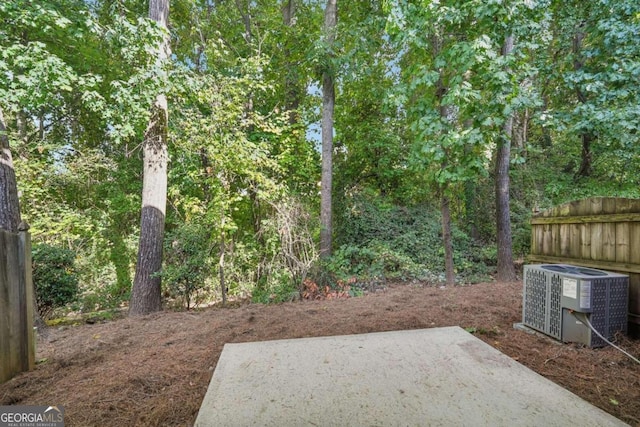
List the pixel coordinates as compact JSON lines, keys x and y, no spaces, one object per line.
{"x":600,"y":232}
{"x":608,"y":242}
{"x":4,"y":312}
{"x":28,"y":304}
{"x":13,"y":274}
{"x":585,"y":241}
{"x":17,"y":345}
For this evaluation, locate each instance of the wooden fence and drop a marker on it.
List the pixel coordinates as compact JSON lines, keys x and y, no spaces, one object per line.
{"x":598,"y":232}
{"x":17,"y":345}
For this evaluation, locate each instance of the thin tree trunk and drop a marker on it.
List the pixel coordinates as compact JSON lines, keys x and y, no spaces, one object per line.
{"x":445,"y":211}
{"x":223,"y":283}
{"x":450,"y":115}
{"x":471,"y":208}
{"x":506,"y":270}
{"x":520,"y":124}
{"x":292,"y":91}
{"x":547,"y":141}
{"x":246,"y":20}
{"x":146,"y":294}
{"x":328,"y":104}
{"x":9,"y":203}
{"x":586,"y":162}
{"x":470,"y":202}
{"x":586,"y":136}
{"x":289,"y":12}
{"x":207,"y":170}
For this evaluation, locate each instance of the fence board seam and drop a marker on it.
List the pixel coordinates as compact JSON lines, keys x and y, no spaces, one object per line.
{"x":586,"y":219}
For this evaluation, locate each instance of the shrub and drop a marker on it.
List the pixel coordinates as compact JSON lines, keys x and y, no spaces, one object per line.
{"x":283,"y":291}
{"x":371,"y":262}
{"x":287,"y":252}
{"x":188,"y":262}
{"x":381,"y":240}
{"x":54,"y":277}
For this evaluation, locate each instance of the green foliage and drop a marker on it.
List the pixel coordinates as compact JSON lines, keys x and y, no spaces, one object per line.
{"x":521,"y":227}
{"x":590,"y":86}
{"x":77,"y":79}
{"x":76,"y":85}
{"x":379,"y":239}
{"x":373,"y":262}
{"x":371,"y":151}
{"x":456,"y":86}
{"x":282,"y":291}
{"x":287,"y":235}
{"x":187,"y":263}
{"x":548,"y":179}
{"x":52,"y":64}
{"x":54,"y":277}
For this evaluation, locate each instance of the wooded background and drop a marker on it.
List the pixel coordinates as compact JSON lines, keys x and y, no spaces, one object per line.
{"x":442,"y":126}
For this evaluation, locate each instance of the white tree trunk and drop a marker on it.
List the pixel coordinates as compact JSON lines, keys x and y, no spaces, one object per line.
{"x":146,"y":295}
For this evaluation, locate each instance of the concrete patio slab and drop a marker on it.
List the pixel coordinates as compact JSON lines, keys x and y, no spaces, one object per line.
{"x":428,"y":377}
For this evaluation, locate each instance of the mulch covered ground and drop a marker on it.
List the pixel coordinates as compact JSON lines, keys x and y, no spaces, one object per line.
{"x":155,"y":370}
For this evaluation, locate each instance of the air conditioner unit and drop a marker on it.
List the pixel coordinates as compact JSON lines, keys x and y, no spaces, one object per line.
{"x":558,"y":300}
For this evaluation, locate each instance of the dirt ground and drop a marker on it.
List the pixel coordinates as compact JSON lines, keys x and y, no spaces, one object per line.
{"x":154,"y":371}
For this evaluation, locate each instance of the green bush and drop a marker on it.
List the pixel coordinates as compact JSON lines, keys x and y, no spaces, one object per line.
{"x":372,"y":262}
{"x":54,"y":277}
{"x":283,"y":291}
{"x":187,"y":262}
{"x":380,"y":240}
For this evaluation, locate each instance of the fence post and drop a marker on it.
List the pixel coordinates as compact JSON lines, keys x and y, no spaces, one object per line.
{"x":5,"y":340}
{"x":28,"y":350}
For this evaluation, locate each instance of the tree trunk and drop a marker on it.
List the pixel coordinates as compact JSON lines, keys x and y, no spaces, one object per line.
{"x":445,"y":211}
{"x":586,"y":136}
{"x":328,"y":104}
{"x":471,"y":209}
{"x":146,"y":295}
{"x":246,"y":19}
{"x":450,"y":115}
{"x":292,"y":90}
{"x":506,"y":270}
{"x":223,"y":283}
{"x":586,"y":162}
{"x":520,"y":129}
{"x":9,"y":204}
{"x":547,"y":141}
